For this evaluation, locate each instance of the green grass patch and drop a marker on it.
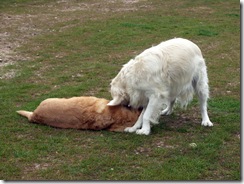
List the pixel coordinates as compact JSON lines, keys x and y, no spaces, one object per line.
{"x":76,"y":50}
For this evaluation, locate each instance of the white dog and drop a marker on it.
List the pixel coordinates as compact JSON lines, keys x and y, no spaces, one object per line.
{"x":162,"y":74}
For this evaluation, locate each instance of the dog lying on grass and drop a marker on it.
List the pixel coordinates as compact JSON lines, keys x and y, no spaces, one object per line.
{"x":87,"y":113}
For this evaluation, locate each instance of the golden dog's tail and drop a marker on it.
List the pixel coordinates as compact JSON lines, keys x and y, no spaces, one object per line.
{"x":26,"y":114}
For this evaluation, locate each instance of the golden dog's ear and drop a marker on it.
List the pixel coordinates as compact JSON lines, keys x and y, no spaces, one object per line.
{"x":114,"y":102}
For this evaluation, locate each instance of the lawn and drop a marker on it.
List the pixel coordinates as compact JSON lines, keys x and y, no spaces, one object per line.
{"x":65,"y":48}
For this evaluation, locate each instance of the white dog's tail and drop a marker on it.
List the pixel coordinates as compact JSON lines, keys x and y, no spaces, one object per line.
{"x":26,"y":114}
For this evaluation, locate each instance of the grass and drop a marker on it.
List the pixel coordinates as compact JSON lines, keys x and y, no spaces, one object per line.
{"x":74,"y":48}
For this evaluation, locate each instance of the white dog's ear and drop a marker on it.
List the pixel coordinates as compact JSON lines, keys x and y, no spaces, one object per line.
{"x":115,"y":102}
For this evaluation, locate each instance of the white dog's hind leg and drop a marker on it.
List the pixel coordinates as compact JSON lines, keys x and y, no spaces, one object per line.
{"x":205,"y":119}
{"x":202,"y":90}
{"x":169,"y":108}
{"x":138,"y":123}
{"x":153,"y":107}
{"x":203,"y":97}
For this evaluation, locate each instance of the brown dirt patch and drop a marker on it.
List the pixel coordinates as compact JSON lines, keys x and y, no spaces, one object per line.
{"x":17,"y":28}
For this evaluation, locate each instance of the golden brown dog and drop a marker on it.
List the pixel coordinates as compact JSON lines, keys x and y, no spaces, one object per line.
{"x":87,"y":113}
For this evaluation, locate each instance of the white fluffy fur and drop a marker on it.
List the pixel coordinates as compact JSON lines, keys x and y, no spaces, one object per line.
{"x":162,"y":74}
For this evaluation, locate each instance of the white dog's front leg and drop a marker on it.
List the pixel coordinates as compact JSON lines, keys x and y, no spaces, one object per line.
{"x":153,"y":106}
{"x":138,"y":123}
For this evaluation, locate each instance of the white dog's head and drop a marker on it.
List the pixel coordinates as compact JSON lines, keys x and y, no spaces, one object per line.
{"x":118,"y":87}
{"x":119,"y":95}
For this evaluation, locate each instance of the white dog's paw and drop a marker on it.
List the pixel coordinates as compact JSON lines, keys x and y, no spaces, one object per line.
{"x":207,"y":123}
{"x":143,"y":132}
{"x":130,"y":129}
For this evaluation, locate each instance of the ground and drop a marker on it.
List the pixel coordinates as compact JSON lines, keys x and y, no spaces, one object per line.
{"x":65,"y":48}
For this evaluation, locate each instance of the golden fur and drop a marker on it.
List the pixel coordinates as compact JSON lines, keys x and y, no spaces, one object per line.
{"x":82,"y":113}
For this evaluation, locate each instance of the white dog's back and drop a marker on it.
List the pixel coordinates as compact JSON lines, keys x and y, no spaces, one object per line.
{"x":163,"y":69}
